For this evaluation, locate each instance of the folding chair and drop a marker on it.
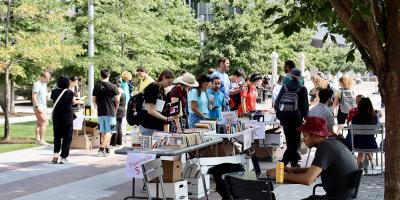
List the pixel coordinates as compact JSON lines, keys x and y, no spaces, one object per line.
{"x":375,"y":130}
{"x":248,"y":189}
{"x":153,"y":170}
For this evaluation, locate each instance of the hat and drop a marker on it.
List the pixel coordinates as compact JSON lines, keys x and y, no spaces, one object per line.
{"x":296,"y":73}
{"x":316,"y":126}
{"x":187,"y":79}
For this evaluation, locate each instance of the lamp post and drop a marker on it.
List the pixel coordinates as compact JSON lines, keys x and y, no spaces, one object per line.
{"x":91,"y":50}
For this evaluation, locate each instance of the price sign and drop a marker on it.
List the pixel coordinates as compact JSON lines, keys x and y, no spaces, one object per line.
{"x":246,"y":139}
{"x":134,"y":164}
{"x":229,"y":117}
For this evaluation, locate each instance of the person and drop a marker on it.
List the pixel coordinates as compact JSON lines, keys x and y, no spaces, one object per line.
{"x":226,"y":87}
{"x":288,"y":67}
{"x":276,"y":89}
{"x":155,"y":96}
{"x":63,"y":117}
{"x":39,"y":101}
{"x":237,"y":81}
{"x":291,"y":108}
{"x":197,"y":101}
{"x":106,"y":98}
{"x":333,"y":162}
{"x":353,"y":111}
{"x":216,"y":100}
{"x":126,"y":77}
{"x":145,"y":79}
{"x":74,"y":86}
{"x":210,"y":71}
{"x":179,"y":93}
{"x":116,"y":139}
{"x":319,"y":84}
{"x":322,"y":110}
{"x":344,"y":99}
{"x":249,"y":94}
{"x":365,"y":116}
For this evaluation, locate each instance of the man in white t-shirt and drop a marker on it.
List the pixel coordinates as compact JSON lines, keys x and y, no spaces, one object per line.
{"x":39,"y":101}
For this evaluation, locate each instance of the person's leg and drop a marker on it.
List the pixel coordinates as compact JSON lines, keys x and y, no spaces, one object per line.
{"x":119,"y":132}
{"x":296,"y":147}
{"x":57,"y":142}
{"x":360,"y":159}
{"x":286,"y":154}
{"x":113,"y":141}
{"x":66,"y":143}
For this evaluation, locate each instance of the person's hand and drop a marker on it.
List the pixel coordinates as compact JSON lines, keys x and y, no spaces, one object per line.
{"x":179,"y":130}
{"x":288,"y":170}
{"x":271,"y":172}
{"x":172,"y":118}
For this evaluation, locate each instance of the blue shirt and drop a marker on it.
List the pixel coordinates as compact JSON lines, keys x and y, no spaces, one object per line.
{"x":202,"y":101}
{"x":225,"y":82}
{"x":220,"y":102}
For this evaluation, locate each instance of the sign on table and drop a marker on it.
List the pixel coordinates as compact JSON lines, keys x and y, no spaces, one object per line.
{"x":229,"y":117}
{"x":134,"y":164}
{"x":247,"y":139}
{"x":259,"y":131}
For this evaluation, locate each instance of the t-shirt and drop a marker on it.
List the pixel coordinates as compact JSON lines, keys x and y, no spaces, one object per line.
{"x":41,"y":89}
{"x":63,"y":111}
{"x":338,"y":168}
{"x":105,"y":93}
{"x":151,"y":93}
{"x":321,"y":110}
{"x":225,"y":82}
{"x":202,"y":101}
{"x":250,"y":95}
{"x":219,"y":103}
{"x":125,"y":88}
{"x":144,"y":83}
{"x":178,"y":92}
{"x":121,"y":111}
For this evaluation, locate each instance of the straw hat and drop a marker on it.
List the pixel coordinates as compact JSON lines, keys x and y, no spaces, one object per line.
{"x":315,"y":126}
{"x":187,"y":79}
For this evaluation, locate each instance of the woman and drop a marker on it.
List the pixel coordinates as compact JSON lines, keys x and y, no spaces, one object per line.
{"x":180,"y":93}
{"x":344,"y":99}
{"x":319,"y":84}
{"x":155,"y":98}
{"x":249,"y":95}
{"x":126,"y":77}
{"x":116,"y":139}
{"x":197,"y":101}
{"x":63,"y":117}
{"x":365,"y":116}
{"x":74,"y":87}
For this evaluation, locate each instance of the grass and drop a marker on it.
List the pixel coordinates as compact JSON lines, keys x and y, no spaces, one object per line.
{"x":23,"y":135}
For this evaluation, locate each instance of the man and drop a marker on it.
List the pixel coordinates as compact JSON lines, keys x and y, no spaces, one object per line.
{"x":216,"y":99}
{"x":226,"y":87}
{"x":322,"y":110}
{"x":333,"y":161}
{"x":106,"y":97}
{"x":289,"y":66}
{"x":291,"y":108}
{"x":237,"y":81}
{"x":145,"y":79}
{"x":39,"y":101}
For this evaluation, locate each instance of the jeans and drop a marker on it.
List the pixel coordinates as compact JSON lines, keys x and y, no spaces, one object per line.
{"x":291,"y":154}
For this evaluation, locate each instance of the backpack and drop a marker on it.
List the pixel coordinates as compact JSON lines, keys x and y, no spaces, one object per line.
{"x":347,"y":100}
{"x":288,"y":106}
{"x":135,"y":112}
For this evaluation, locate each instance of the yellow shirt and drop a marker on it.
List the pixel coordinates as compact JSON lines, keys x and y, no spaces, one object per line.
{"x":144,"y":83}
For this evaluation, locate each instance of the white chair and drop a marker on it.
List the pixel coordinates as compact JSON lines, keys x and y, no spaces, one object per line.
{"x":375,"y":130}
{"x":153,"y":170}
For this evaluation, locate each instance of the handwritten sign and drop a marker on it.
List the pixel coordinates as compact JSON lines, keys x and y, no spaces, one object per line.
{"x":259,"y":129}
{"x":229,"y":117}
{"x":246,"y":139}
{"x":134,"y":164}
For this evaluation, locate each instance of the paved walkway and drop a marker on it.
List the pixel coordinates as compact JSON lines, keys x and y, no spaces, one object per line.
{"x":28,"y":174}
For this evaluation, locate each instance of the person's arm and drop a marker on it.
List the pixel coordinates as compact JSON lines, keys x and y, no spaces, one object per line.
{"x":243,"y":96}
{"x":177,"y":124}
{"x":235,"y":91}
{"x":117,"y":98}
{"x":34,"y":99}
{"x":94,"y":101}
{"x":336,"y":101}
{"x":195,"y":109}
{"x":151,"y":109}
{"x":306,"y":178}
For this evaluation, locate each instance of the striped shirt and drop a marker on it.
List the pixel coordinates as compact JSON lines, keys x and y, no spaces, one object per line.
{"x":321,"y":110}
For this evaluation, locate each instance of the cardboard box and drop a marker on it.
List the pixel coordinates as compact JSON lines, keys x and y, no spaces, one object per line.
{"x":90,"y":128}
{"x":95,"y":140}
{"x":172,"y":171}
{"x":176,"y":190}
{"x":81,"y":142}
{"x":196,"y":188}
{"x":270,"y":154}
{"x":274,"y":140}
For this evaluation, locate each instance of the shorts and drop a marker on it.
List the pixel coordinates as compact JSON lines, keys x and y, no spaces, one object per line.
{"x":41,"y":117}
{"x":341,"y":117}
{"x":107,"y":124}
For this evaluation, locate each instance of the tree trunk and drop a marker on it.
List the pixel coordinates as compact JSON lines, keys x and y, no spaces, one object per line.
{"x":391,"y":97}
{"x":12,"y":96}
{"x":7,"y":107}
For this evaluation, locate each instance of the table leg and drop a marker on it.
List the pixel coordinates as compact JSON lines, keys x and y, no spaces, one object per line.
{"x":133,"y":192}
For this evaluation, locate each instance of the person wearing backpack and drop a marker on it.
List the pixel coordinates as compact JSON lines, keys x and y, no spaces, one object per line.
{"x":291,"y":108}
{"x":344,"y":99}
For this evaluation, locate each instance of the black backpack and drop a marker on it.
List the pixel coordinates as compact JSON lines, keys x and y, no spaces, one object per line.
{"x":135,"y":112}
{"x":288,"y":111}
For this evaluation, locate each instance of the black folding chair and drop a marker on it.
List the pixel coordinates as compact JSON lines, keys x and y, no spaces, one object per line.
{"x":248,"y":189}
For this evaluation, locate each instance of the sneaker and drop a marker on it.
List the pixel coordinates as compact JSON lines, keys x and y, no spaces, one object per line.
{"x":101,"y":153}
{"x":63,"y":161}
{"x":108,"y":151}
{"x":43,"y":143}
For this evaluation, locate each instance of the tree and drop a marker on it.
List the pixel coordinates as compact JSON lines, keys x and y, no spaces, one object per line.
{"x":373,"y":27}
{"x":34,"y":37}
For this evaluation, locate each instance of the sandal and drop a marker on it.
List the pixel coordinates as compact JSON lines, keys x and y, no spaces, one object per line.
{"x":54,"y":160}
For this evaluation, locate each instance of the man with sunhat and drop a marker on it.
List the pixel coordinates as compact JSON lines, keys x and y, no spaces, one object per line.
{"x":333,"y":161}
{"x":291,"y":108}
{"x":179,"y":93}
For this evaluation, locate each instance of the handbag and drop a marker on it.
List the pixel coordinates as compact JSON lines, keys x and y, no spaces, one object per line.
{"x":57,"y":100}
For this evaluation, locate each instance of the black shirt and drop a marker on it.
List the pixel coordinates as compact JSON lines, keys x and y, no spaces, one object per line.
{"x":338,"y":168}
{"x":121,"y":107}
{"x":105,"y":93}
{"x":63,"y":110}
{"x":151,"y":93}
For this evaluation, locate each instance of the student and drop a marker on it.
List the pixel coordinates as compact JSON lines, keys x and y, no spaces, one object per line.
{"x":216,"y":99}
{"x":319,"y":84}
{"x":288,"y":67}
{"x":333,"y":161}
{"x":153,"y":93}
{"x":322,"y":110}
{"x":116,"y":139}
{"x":145,"y":79}
{"x":39,"y":101}
{"x":344,"y":99}
{"x":237,"y":81}
{"x":197,"y":101}
{"x":249,"y":95}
